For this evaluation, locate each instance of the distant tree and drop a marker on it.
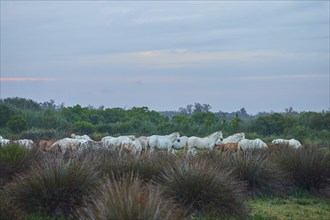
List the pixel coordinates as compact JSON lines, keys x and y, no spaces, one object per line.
{"x":5,"y":114}
{"x":235,"y":123}
{"x":21,"y":103}
{"x":82,"y":127}
{"x":16,"y":124}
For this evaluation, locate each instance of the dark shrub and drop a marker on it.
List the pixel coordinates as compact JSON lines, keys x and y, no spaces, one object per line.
{"x":13,"y":159}
{"x":263,"y":176}
{"x":53,"y":188}
{"x":147,"y":167}
{"x":203,"y":189}
{"x":309,"y":166}
{"x":127,"y":198}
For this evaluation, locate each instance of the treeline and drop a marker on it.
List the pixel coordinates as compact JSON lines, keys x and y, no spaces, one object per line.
{"x":25,"y":118}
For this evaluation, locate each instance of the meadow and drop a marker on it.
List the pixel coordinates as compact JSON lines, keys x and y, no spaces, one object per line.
{"x":281,"y":183}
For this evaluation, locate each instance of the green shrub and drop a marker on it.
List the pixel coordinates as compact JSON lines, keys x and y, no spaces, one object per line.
{"x":13,"y":159}
{"x":16,"y":124}
{"x":308,"y":166}
{"x":7,"y":209}
{"x":203,"y":189}
{"x":127,"y":198}
{"x":147,"y":167}
{"x":53,"y":188}
{"x":40,"y":134}
{"x":263,"y":176}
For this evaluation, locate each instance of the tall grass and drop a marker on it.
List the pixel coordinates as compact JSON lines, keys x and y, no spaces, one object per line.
{"x":308,"y":166}
{"x":262,"y":175}
{"x":15,"y":159}
{"x":53,"y":188}
{"x":203,"y":189}
{"x":147,"y":167}
{"x":129,"y":199}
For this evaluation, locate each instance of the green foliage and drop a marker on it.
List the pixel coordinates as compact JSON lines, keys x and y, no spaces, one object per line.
{"x":292,"y":207}
{"x":53,"y":188}
{"x":13,"y":160}
{"x":5,"y":113}
{"x":82,"y":127}
{"x":36,"y":134}
{"x":147,"y":167}
{"x":18,"y":115}
{"x":263,"y":176}
{"x":16,"y":124}
{"x":308,"y":166}
{"x":203,"y":189}
{"x":128,"y":199}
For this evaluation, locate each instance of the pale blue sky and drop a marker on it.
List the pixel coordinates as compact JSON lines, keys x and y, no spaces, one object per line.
{"x":264,"y":56}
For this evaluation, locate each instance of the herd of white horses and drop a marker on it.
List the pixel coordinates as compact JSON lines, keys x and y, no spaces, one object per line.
{"x":170,"y":143}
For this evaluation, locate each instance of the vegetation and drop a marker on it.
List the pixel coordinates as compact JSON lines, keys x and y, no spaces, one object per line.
{"x":298,"y":206}
{"x":23,"y":118}
{"x":203,"y":189}
{"x":101,"y":184}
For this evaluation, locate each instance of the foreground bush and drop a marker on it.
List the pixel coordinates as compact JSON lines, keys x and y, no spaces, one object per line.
{"x":13,"y":160}
{"x":203,"y":189}
{"x":308,"y":166}
{"x":53,"y":188}
{"x":263,"y":176}
{"x":147,"y":167}
{"x":127,"y":199}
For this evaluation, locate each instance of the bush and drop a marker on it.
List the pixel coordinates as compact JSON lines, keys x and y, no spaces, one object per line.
{"x":16,"y":124}
{"x":127,"y":198}
{"x":147,"y":167}
{"x":204,"y":189}
{"x":40,"y":134}
{"x":13,"y":159}
{"x":309,"y":166}
{"x":53,"y":188}
{"x":263,"y":176}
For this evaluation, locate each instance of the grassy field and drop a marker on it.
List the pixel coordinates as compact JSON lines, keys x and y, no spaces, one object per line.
{"x":298,"y":207}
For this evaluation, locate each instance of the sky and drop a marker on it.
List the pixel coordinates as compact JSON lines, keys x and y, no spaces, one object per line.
{"x":261,"y":55}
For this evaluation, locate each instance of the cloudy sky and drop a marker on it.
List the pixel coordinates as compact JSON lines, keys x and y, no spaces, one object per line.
{"x":263,"y":56}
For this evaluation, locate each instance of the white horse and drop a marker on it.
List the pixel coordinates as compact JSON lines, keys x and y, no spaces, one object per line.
{"x":235,"y":138}
{"x":206,"y":143}
{"x":26,"y":143}
{"x":115,"y":143}
{"x":4,"y":141}
{"x":65,"y":144}
{"x":133,"y":147}
{"x":247,"y":144}
{"x":162,"y":142}
{"x":85,"y":136}
{"x":180,"y":143}
{"x":291,"y":143}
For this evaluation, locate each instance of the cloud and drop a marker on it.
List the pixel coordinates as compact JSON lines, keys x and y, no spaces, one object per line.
{"x":26,"y":79}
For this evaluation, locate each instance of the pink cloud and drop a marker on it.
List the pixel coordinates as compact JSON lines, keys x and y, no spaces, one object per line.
{"x":26,"y":79}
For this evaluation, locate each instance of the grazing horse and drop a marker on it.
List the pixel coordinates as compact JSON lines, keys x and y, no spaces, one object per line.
{"x":162,"y":142}
{"x":4,"y":141}
{"x":229,"y":147}
{"x":26,"y":143}
{"x":230,"y":143}
{"x":180,"y":143}
{"x":291,"y":143}
{"x":133,"y":147}
{"x":44,"y":145}
{"x":115,"y":143}
{"x":206,"y":143}
{"x":85,"y":136}
{"x":247,"y":144}
{"x":65,"y":144}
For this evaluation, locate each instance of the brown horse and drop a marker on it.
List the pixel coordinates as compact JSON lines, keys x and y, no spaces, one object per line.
{"x":229,"y":147}
{"x":44,"y":145}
